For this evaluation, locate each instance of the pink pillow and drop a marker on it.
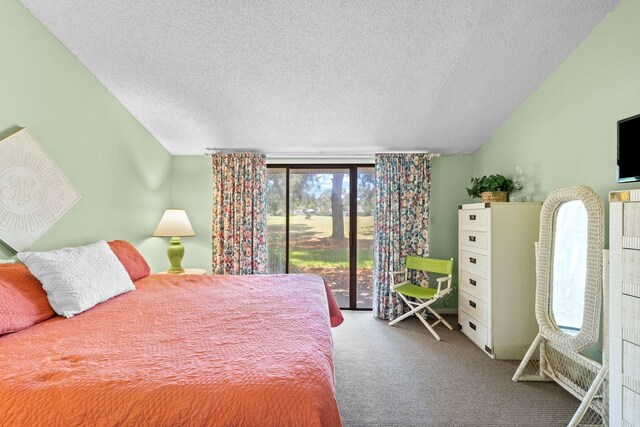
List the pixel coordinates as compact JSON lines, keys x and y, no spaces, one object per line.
{"x":133,"y":262}
{"x":23,"y":302}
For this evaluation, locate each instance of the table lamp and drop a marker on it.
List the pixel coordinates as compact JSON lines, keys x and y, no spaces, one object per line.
{"x":175,"y":224}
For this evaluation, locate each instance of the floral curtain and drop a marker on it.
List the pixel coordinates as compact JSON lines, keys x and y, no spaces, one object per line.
{"x":239,"y":213}
{"x":403,"y":183}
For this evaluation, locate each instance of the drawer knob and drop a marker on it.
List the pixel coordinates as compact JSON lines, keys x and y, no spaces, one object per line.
{"x":472,"y":282}
{"x":472,"y":326}
{"x":472,"y":238}
{"x":472,"y":304}
{"x":472,"y":260}
{"x":472,"y":217}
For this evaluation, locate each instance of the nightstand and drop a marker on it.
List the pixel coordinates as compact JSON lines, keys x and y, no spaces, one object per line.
{"x":196,"y":271}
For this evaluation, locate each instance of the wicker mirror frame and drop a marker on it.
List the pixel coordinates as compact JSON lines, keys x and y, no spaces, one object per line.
{"x":589,"y":333}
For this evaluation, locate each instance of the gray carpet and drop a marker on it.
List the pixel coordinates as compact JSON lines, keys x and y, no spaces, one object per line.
{"x":401,"y":376}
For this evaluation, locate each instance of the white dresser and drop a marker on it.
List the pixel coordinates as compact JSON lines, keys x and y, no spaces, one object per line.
{"x":624,"y":308}
{"x":496,"y":276}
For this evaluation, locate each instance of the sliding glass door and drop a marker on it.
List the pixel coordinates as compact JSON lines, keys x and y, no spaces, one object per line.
{"x":311,"y":212}
{"x":366,"y":197}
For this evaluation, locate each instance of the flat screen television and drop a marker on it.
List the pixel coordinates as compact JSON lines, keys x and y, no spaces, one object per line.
{"x":629,"y":149}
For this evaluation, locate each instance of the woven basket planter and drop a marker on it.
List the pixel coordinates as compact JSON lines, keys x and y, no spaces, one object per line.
{"x":494,"y":196}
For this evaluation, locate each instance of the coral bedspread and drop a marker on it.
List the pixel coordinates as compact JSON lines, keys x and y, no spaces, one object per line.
{"x":180,"y":350}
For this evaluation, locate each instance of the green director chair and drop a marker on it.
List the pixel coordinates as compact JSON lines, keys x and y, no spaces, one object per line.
{"x":423,"y":296}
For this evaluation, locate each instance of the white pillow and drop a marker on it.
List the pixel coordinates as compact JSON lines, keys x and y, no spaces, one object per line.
{"x":76,"y":279}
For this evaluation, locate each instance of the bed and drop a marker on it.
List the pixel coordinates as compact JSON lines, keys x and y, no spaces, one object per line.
{"x":180,"y":350}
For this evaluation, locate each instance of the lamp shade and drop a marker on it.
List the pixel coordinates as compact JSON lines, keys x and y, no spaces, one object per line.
{"x":174,"y":223}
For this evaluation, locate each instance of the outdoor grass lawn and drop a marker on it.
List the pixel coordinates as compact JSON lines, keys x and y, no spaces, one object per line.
{"x":308,"y":251}
{"x":313,"y":251}
{"x":329,"y":258}
{"x":319,"y":226}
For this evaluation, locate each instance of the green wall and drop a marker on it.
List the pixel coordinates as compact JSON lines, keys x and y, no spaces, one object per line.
{"x":191,"y":190}
{"x":119,"y":169}
{"x":191,"y":186}
{"x":565,"y":133}
{"x":450,"y":175}
{"x":125,"y":177}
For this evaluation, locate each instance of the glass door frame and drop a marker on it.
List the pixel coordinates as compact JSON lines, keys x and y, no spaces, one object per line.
{"x":353,"y":218}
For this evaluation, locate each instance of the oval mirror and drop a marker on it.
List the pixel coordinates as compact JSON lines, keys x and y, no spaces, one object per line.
{"x":569,"y":295}
{"x":569,"y":267}
{"x":569,"y":273}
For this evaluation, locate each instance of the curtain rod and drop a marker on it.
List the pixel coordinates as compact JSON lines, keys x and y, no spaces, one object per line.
{"x":337,"y":158}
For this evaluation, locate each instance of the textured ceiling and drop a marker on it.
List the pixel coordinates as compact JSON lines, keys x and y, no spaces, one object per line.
{"x":296,"y":77}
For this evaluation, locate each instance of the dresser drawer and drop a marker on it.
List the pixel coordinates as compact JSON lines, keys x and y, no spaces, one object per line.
{"x":473,"y":239}
{"x":474,"y":285}
{"x":472,"y":328}
{"x":632,"y":289}
{"x":631,"y":407}
{"x":631,"y":366}
{"x":631,"y":319}
{"x":631,"y":266}
{"x":631,"y":215}
{"x":474,"y":262}
{"x":473,"y":307}
{"x":473,"y":218}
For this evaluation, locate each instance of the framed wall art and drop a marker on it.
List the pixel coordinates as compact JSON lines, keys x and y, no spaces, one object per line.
{"x":34,"y":193}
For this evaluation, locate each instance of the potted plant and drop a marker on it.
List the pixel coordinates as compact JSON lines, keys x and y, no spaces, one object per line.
{"x":492,"y":188}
